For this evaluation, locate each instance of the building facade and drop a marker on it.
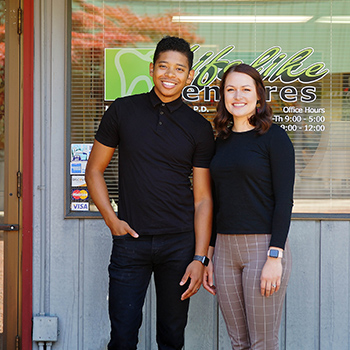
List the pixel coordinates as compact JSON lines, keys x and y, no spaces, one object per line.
{"x":63,"y":62}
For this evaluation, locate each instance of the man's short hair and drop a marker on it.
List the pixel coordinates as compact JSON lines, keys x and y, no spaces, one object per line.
{"x":173,"y":43}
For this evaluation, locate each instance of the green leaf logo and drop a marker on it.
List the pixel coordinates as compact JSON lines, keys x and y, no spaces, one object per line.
{"x":127,"y":72}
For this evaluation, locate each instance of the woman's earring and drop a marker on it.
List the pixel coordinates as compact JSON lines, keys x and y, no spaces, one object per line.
{"x":258,"y":105}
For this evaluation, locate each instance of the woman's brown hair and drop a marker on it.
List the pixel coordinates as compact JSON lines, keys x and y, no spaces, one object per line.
{"x":261,"y":120}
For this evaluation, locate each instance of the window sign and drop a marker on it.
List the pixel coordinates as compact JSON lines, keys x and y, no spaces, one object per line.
{"x":302,"y":59}
{"x":127,"y":72}
{"x":79,"y":193}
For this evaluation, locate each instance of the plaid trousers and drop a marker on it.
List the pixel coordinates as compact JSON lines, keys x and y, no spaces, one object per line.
{"x":252,"y":320}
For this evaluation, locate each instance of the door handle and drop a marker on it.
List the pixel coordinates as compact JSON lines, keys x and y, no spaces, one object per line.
{"x":8,"y":227}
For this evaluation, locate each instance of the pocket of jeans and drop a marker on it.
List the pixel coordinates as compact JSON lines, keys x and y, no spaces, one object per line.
{"x":115,"y":237}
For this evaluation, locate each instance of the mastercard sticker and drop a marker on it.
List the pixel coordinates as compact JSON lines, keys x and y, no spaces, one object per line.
{"x":80,"y":194}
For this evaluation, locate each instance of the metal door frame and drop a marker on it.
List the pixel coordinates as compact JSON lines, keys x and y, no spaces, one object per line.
{"x":19,"y":174}
{"x":12,"y":176}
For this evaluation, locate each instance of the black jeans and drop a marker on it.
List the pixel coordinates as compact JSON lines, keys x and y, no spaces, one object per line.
{"x":132,"y":263}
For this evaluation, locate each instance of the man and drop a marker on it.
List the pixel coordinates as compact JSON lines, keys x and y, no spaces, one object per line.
{"x":163,"y":226}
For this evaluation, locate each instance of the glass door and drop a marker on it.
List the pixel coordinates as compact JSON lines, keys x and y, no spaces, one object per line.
{"x":10,"y":173}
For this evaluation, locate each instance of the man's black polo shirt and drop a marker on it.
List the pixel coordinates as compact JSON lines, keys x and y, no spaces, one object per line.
{"x":159,"y":143}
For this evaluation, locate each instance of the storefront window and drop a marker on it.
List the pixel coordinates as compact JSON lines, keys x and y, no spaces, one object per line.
{"x":299,"y":48}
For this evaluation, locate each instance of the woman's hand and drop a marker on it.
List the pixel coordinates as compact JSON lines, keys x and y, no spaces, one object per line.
{"x":208,"y":278}
{"x":208,"y":274}
{"x":271,"y":274}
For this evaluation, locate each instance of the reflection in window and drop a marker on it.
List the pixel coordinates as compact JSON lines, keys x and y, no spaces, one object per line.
{"x":304,"y":63}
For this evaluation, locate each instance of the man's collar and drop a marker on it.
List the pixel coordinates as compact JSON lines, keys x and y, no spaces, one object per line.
{"x":172,"y":106}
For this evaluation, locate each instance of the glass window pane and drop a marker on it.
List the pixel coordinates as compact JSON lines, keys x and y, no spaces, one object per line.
{"x":297,"y":46}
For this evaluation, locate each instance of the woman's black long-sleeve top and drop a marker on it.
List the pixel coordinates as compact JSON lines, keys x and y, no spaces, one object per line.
{"x":253,"y":179}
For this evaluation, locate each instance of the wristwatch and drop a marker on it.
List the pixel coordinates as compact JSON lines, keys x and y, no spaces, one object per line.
{"x":275,"y":253}
{"x":203,"y":259}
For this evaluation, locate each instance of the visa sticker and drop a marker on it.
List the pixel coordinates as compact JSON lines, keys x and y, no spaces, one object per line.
{"x":80,"y":206}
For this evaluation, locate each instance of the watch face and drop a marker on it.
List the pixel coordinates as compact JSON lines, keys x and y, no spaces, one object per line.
{"x":274,"y":253}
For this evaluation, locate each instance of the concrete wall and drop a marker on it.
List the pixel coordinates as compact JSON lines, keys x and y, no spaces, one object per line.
{"x":71,"y":255}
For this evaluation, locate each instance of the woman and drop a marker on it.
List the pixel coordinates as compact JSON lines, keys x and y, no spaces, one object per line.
{"x":253,"y":176}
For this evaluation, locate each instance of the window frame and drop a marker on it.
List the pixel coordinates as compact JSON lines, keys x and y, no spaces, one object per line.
{"x":95,"y":214}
